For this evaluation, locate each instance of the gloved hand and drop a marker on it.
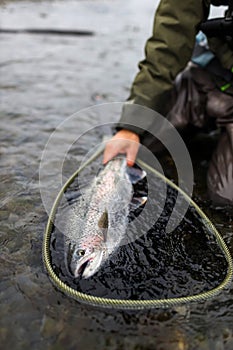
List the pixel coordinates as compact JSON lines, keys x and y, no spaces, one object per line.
{"x":126,"y":142}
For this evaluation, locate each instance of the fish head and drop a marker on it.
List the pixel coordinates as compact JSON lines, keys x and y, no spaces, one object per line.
{"x":85,"y":262}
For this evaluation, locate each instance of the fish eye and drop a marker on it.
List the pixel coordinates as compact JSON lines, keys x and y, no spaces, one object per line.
{"x":81,"y":252}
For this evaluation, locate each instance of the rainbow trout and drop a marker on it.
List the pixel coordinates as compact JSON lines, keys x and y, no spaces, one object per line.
{"x":97,"y":223}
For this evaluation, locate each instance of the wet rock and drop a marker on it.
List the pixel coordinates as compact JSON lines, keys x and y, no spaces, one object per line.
{"x":50,"y":327}
{"x":13,"y":218}
{"x":3,"y":333}
{"x":26,"y":285}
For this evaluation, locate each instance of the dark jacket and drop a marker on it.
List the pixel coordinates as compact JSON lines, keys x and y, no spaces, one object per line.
{"x":167,"y":53}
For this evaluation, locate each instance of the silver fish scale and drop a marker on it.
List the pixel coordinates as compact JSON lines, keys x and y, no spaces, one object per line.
{"x":111,"y":192}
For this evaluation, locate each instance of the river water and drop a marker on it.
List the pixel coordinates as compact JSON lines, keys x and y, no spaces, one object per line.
{"x":43,"y":80}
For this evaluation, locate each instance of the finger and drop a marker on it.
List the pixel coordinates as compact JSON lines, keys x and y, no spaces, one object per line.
{"x":109,"y":153}
{"x":132,"y":154}
{"x":130,"y":162}
{"x":113,"y":148}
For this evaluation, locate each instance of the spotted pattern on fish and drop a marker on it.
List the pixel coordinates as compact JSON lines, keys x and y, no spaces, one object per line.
{"x":98,"y":223}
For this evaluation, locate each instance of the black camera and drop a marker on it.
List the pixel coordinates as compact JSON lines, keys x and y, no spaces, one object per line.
{"x":220,"y":27}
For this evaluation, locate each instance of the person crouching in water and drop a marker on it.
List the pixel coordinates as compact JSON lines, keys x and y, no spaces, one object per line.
{"x":197,"y":71}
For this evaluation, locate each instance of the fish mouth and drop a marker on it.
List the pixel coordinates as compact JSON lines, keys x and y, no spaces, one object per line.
{"x":80,"y":269}
{"x":89,"y":265}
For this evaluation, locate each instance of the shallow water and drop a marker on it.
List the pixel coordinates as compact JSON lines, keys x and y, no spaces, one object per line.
{"x":43,"y":80}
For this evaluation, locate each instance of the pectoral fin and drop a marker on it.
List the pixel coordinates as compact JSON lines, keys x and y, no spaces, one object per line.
{"x":137,"y":202}
{"x":135,"y":174}
{"x":103,"y":224}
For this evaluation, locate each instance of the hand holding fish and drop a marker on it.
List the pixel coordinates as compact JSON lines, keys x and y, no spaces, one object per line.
{"x":126,"y":142}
